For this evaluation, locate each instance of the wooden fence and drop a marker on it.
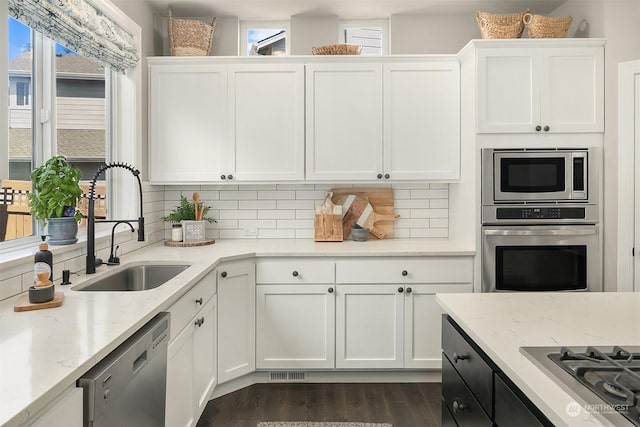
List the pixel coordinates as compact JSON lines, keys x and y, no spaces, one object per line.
{"x":15,"y":219}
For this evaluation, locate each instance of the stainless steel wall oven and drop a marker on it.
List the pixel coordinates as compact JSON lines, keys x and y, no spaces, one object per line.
{"x":540,"y":227}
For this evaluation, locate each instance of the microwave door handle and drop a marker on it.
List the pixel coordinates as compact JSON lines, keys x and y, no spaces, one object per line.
{"x":555,"y":232}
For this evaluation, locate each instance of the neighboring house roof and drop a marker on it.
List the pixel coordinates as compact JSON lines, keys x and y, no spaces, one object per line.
{"x":267,"y":45}
{"x":76,"y":144}
{"x":67,"y":66}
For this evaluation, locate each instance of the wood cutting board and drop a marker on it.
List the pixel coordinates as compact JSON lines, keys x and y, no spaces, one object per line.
{"x":23,"y":304}
{"x":381,"y":200}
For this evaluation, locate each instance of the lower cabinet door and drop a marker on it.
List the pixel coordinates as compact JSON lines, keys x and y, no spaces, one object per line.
{"x":458,"y":399}
{"x":511,"y":410}
{"x":295,"y":326}
{"x":447,"y":418}
{"x":204,"y":354}
{"x":179,"y":408}
{"x":423,"y":324}
{"x":66,"y":410}
{"x":369,"y":326}
{"x":191,"y":368}
{"x":236,"y":320}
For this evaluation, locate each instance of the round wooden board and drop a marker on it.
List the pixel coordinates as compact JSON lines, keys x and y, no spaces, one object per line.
{"x":189,"y":244}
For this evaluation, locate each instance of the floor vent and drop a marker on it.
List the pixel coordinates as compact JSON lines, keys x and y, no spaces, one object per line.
{"x":287,"y":376}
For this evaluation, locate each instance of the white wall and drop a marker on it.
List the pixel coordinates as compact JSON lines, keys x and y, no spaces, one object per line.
{"x":308,"y":32}
{"x":431,"y":33}
{"x":617,"y":22}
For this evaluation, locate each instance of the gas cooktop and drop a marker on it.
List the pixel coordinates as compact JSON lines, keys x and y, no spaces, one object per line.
{"x":604,"y":379}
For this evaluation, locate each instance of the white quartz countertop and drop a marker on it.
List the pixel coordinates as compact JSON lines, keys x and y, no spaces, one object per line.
{"x":43,"y":352}
{"x":501,"y":323}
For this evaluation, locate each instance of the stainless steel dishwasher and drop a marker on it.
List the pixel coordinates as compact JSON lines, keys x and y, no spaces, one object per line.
{"x":127,"y":388}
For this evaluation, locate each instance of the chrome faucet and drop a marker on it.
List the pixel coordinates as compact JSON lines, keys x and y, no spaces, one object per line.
{"x":92,"y":261}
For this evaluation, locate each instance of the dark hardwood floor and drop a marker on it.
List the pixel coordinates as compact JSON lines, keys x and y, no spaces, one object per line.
{"x":402,"y":405}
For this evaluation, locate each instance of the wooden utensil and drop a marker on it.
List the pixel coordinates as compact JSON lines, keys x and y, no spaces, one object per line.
{"x":196,"y":205}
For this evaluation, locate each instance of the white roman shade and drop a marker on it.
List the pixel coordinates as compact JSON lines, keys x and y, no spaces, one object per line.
{"x":79,"y":26}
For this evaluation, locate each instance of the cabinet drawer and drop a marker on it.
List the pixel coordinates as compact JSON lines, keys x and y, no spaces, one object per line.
{"x":447,"y":419}
{"x":511,"y":409}
{"x":403,"y":270}
{"x":294,"y":271}
{"x":464,"y":407}
{"x":473,"y":369}
{"x":187,"y":306}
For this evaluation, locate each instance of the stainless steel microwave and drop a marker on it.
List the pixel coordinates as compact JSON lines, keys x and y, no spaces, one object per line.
{"x":538,"y":176}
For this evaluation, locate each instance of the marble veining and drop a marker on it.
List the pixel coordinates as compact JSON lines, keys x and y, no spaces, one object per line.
{"x":501,"y":323}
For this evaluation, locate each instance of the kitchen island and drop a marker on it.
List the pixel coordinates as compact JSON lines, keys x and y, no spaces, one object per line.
{"x":501,"y":323}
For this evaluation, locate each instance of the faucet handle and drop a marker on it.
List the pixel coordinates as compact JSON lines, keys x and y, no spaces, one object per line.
{"x":113,"y":259}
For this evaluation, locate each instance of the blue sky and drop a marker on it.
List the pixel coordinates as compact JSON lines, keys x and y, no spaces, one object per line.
{"x":257,"y":35}
{"x":19,"y":37}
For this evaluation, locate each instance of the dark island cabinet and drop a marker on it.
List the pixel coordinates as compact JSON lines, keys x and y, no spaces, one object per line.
{"x":474,"y":390}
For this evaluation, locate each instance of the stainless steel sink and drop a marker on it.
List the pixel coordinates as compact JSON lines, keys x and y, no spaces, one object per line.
{"x":134,"y":277}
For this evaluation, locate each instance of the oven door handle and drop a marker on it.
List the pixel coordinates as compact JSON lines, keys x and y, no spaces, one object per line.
{"x":574,"y":231}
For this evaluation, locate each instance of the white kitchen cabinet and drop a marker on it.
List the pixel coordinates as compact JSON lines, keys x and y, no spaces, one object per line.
{"x":422,"y":120}
{"x":236,"y":319}
{"x":383,"y":121}
{"x":343,"y":121}
{"x":422,"y":324}
{"x":65,"y":410}
{"x":540,"y":87}
{"x":295,"y":326}
{"x":369,"y":326}
{"x":399,"y":293}
{"x":187,"y":122}
{"x":191,"y":368}
{"x":266,"y":122}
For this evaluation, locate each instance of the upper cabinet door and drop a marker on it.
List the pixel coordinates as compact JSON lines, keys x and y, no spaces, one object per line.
{"x":572,"y":85}
{"x":187,"y":122}
{"x":540,"y":89}
{"x":344,"y":121}
{"x":507,"y":90}
{"x":422,"y":120}
{"x":266,"y":122}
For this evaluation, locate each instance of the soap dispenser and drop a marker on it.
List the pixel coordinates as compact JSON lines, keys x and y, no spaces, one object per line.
{"x":43,"y":261}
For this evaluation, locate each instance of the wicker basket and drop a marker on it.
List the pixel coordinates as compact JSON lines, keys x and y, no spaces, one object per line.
{"x":494,"y":26}
{"x":337,"y":49}
{"x":188,"y":37}
{"x":539,"y":26}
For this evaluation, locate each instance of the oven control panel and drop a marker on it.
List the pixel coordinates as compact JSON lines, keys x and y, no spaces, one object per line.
{"x":540,"y":213}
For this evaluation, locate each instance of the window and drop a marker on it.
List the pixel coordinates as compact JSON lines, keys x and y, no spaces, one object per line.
{"x":22,"y":93}
{"x":373,"y":36}
{"x":264,"y":38}
{"x":77,"y":86}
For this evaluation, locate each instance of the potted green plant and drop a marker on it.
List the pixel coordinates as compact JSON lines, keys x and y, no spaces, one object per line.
{"x":54,"y":197}
{"x":191,"y":215}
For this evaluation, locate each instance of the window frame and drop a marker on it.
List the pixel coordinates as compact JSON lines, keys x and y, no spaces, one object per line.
{"x":124,"y":110}
{"x":245,"y":26}
{"x":357,"y":23}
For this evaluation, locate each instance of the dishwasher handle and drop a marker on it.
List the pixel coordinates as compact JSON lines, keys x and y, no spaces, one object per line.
{"x":140,"y":362}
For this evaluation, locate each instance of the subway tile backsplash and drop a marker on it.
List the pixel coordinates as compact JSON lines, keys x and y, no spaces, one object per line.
{"x":273,"y":211}
{"x":286,"y":211}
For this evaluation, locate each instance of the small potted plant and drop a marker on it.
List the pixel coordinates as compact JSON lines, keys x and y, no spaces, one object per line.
{"x":191,"y":215}
{"x":54,"y":197}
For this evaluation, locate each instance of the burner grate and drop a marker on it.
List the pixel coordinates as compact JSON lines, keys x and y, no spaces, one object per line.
{"x":613,"y":376}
